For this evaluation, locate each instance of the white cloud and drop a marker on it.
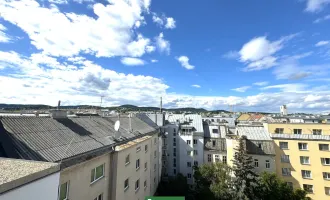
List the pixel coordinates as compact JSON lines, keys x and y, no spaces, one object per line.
{"x":83,"y":1}
{"x":231,"y":55}
{"x":154,"y":60}
{"x":293,"y":87}
{"x":196,"y":86}
{"x":58,"y":1}
{"x":68,"y":34}
{"x":321,"y":19}
{"x":184,"y":61}
{"x":132,"y":61}
{"x":322,"y":43}
{"x":158,"y":20}
{"x":3,"y":36}
{"x":241,"y":89}
{"x":263,"y":83}
{"x":316,"y":5}
{"x":170,"y":23}
{"x":259,"y":53}
{"x":162,"y":44}
{"x":150,"y":49}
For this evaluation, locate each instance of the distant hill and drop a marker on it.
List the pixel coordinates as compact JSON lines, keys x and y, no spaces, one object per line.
{"x":127,"y":107}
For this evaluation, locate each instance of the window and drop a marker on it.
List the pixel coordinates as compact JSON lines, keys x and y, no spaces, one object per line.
{"x":302,"y":146}
{"x":224,"y":159}
{"x":154,"y":180}
{"x":137,"y":185}
{"x":97,"y":173}
{"x":174,"y":133}
{"x":284,"y":145}
{"x":127,"y":160}
{"x":137,"y":164}
{"x":174,"y":142}
{"x":215,"y":131}
{"x":327,"y":190}
{"x":174,"y":152}
{"x":138,"y":149}
{"x":174,"y":130}
{"x":145,"y":166}
{"x":256,"y":163}
{"x":189,"y":175}
{"x":195,"y":141}
{"x":213,"y":143}
{"x":267,"y":164}
{"x":279,"y":130}
{"x":188,"y":142}
{"x":317,"y":131}
{"x":189,"y":153}
{"x":209,"y":158}
{"x":306,"y":174}
{"x":217,"y":158}
{"x":325,"y":161}
{"x":304,"y":160}
{"x":326,"y":175}
{"x":297,"y":131}
{"x":259,"y":145}
{"x":212,"y":120}
{"x":146,"y":148}
{"x":286,"y":171}
{"x":155,"y":141}
{"x":290,"y":184}
{"x":308,"y":188}
{"x":64,"y":191}
{"x":196,"y":163}
{"x":155,"y":154}
{"x":154,"y":167}
{"x":126,"y":184}
{"x":100,"y":197}
{"x":145,"y":184}
{"x":188,"y":164}
{"x":195,"y":152}
{"x":174,"y":171}
{"x":285,"y":158}
{"x":324,"y":147}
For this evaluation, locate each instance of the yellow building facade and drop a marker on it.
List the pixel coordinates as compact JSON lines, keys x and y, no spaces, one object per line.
{"x":303,"y":156}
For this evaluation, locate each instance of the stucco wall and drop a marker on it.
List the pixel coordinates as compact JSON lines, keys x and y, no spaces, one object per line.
{"x":306,"y":128}
{"x":45,"y":188}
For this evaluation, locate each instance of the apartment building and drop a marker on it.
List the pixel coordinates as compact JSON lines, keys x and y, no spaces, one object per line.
{"x":183,"y":144}
{"x":90,"y":152}
{"x":303,"y":156}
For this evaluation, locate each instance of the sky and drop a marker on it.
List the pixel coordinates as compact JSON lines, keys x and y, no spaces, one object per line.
{"x":253,"y":55}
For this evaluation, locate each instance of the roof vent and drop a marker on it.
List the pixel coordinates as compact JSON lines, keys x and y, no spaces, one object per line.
{"x":58,"y":114}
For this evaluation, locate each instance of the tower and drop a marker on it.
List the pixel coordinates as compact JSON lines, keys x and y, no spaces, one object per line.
{"x":283,"y":110}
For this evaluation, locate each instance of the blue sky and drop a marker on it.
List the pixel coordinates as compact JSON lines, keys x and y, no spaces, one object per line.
{"x":255,"y":55}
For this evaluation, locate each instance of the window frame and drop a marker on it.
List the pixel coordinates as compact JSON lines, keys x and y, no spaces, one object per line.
{"x":127,"y":162}
{"x":137,"y":183}
{"x":285,"y":158}
{"x":288,"y":170}
{"x":297,"y":131}
{"x":209,"y":157}
{"x":224,"y":159}
{"x":277,"y":130}
{"x":138,"y":149}
{"x":325,"y":191}
{"x":67,"y":191}
{"x":304,"y":172}
{"x":327,"y":177}
{"x":145,"y":166}
{"x":188,"y":142}
{"x":216,"y":132}
{"x":195,"y":152}
{"x":126,"y":187}
{"x":214,"y":143}
{"x":323,"y":145}
{"x":146,"y":148}
{"x":320,"y":133}
{"x":99,"y":197}
{"x":94,"y":170}
{"x":308,"y":191}
{"x":287,"y":145}
{"x":324,"y":159}
{"x":302,"y":144}
{"x":302,"y":159}
{"x":196,"y":163}
{"x":137,"y":164}
{"x":188,"y":164}
{"x":195,"y":141}
{"x":256,"y":163}
{"x":267,"y":164}
{"x":189,"y":177}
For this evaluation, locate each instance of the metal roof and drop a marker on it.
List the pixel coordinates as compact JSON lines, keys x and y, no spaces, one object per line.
{"x":188,"y":120}
{"x":267,"y":147}
{"x":48,"y":139}
{"x":253,"y":132}
{"x":301,"y":136}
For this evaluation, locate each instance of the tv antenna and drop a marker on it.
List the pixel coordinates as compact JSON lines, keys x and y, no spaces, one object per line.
{"x":117,"y":125}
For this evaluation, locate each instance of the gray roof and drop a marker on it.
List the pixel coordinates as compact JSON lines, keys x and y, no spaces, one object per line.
{"x":187,"y":120}
{"x":47,"y":139}
{"x":158,"y":118}
{"x":220,"y":144}
{"x":253,"y":132}
{"x":16,"y":172}
{"x":229,"y":120}
{"x":301,"y":137}
{"x":267,"y":147}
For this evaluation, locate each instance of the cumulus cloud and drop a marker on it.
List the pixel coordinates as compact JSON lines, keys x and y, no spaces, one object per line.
{"x":132,"y":61}
{"x":263,"y":83}
{"x":3,"y":36}
{"x":162,"y":44}
{"x":293,"y":87}
{"x":154,"y":60}
{"x":58,"y":1}
{"x":170,"y":23}
{"x":68,"y":34}
{"x":316,"y":5}
{"x":196,"y":86}
{"x":231,"y":55}
{"x":322,"y":43}
{"x":241,"y":89}
{"x":163,"y":21}
{"x":321,"y":19}
{"x":184,"y":61}
{"x":259,"y":53}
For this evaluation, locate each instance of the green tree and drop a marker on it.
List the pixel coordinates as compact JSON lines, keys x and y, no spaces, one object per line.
{"x":245,"y":183}
{"x":175,"y":186}
{"x":213,"y":181}
{"x":274,"y":188}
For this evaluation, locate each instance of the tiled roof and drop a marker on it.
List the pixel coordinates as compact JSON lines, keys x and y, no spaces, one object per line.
{"x":44,"y":138}
{"x":301,"y":136}
{"x":253,"y":132}
{"x":187,"y":120}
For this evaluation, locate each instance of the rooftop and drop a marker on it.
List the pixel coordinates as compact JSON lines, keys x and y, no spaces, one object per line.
{"x":253,"y":132}
{"x":187,"y":120}
{"x":16,"y":172}
{"x":300,"y":137}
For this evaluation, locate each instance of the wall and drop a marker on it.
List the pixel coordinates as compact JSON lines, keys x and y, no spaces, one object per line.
{"x":262,"y":163}
{"x":45,"y":188}
{"x":79,"y":177}
{"x":315,"y":166}
{"x":306,"y":128}
{"x":169,"y":149}
{"x":213,"y":154}
{"x":122,"y":171}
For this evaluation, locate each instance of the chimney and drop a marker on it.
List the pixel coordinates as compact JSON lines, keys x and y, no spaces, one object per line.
{"x":161,"y":105}
{"x":58,"y":104}
{"x":58,"y":114}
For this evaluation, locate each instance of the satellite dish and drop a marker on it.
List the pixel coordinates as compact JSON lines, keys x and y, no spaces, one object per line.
{"x":117,"y":125}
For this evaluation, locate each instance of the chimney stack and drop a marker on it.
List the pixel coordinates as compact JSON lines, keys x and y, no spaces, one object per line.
{"x":58,"y":104}
{"x":161,"y":105}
